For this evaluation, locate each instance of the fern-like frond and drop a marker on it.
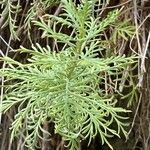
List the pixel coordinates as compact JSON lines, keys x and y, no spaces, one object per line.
{"x":71,"y":91}
{"x":9,"y":12}
{"x":68,"y":86}
{"x":123,"y":29}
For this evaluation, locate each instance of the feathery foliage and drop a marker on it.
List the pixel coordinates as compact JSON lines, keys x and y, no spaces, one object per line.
{"x":10,"y":10}
{"x":8,"y":15}
{"x":37,"y":9}
{"x":67,"y":87}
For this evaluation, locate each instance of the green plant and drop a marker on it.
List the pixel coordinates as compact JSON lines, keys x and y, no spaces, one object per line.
{"x":8,"y":15}
{"x":68,"y":86}
{"x":123,"y":29}
{"x":37,"y":9}
{"x":11,"y":10}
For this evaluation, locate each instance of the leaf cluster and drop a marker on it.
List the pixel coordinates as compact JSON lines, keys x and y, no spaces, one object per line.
{"x":8,"y":15}
{"x":11,"y":10}
{"x":68,"y":86}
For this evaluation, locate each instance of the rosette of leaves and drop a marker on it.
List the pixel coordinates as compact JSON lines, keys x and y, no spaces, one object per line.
{"x":66,"y":87}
